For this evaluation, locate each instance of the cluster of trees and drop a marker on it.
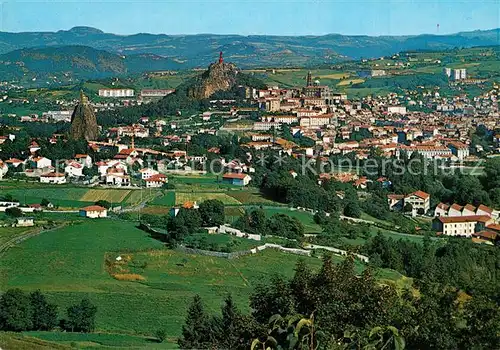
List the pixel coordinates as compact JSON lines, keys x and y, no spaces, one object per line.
{"x":418,"y":174}
{"x":282,"y":225}
{"x":459,"y":262}
{"x":20,"y":311}
{"x":188,"y":220}
{"x":334,"y":308}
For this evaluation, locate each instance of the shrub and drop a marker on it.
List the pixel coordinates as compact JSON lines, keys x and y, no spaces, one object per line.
{"x":161,"y":335}
{"x":128,"y":277}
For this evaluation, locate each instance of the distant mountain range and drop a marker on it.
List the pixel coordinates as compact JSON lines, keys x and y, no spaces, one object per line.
{"x":44,"y":52}
{"x":76,"y":62}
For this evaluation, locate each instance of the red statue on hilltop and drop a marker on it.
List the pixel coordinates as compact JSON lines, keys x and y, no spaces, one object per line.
{"x":220,"y":57}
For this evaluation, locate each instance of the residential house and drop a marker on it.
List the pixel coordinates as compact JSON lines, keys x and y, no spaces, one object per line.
{"x":236,"y":179}
{"x":441,"y":209}
{"x":146,"y":173}
{"x":84,"y":159}
{"x":14,"y":162}
{"x":459,"y":149}
{"x":24,"y":222}
{"x":155,"y":181}
{"x":419,"y":200}
{"x":460,"y":225}
{"x":117,"y":177}
{"x":34,"y":147}
{"x":93,"y":212}
{"x":53,"y":178}
{"x":74,"y":169}
{"x":395,"y":201}
{"x":40,"y":162}
{"x":486,"y":236}
{"x":3,"y":169}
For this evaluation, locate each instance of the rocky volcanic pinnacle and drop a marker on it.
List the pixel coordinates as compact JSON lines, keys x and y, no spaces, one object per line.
{"x":83,"y":121}
{"x":220,"y":76}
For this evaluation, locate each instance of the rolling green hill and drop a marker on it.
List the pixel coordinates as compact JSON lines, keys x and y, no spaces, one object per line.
{"x":77,"y":62}
{"x":248,"y":51}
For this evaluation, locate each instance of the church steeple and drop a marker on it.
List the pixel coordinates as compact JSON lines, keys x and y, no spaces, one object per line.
{"x":309,"y":79}
{"x":83,"y":98}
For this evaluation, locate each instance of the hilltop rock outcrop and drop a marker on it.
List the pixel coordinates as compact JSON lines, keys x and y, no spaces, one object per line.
{"x":219,"y":76}
{"x":83,"y":121}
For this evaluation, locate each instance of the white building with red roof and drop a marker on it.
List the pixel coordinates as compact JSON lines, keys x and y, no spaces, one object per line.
{"x":73,"y":169}
{"x":53,"y":178}
{"x":156,"y":181}
{"x":93,"y":212}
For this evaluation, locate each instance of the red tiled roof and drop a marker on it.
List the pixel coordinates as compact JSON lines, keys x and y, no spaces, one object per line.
{"x":456,"y":207}
{"x":486,"y":234}
{"x":156,"y":177}
{"x":470,"y":207}
{"x":494,"y":227}
{"x":234,"y":176}
{"x":420,"y":194}
{"x":443,"y":206}
{"x":395,"y":196}
{"x":458,"y":219}
{"x":485,"y":209}
{"x":93,"y":208}
{"x":53,"y":175}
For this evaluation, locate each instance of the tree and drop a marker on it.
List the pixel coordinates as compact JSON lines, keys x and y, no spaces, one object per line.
{"x":352,"y":209}
{"x":15,"y":311}
{"x":103,"y":203}
{"x":81,"y":317}
{"x":408,"y":208}
{"x":14,"y":212}
{"x":194,"y":331}
{"x":185,"y":223}
{"x":212,"y":212}
{"x":44,"y":313}
{"x":161,"y":335}
{"x":45,"y":202}
{"x":285,"y":226}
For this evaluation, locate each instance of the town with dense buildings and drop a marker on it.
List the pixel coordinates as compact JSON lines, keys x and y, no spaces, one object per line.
{"x":299,"y":170}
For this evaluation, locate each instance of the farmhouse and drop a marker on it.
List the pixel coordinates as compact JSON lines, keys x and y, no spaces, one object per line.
{"x":84,"y":159}
{"x":146,"y":173}
{"x":41,"y":162}
{"x":74,"y":169}
{"x":93,"y":212}
{"x":53,"y":178}
{"x":157,"y":180}
{"x":460,"y":225}
{"x":24,"y":222}
{"x":236,"y":179}
{"x":419,"y":200}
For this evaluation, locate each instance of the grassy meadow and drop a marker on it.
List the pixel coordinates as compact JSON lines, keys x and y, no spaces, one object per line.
{"x":70,"y":263}
{"x":73,"y":197}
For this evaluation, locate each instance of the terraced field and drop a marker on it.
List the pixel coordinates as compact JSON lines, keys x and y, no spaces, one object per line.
{"x":183,"y":197}
{"x":110,"y":195}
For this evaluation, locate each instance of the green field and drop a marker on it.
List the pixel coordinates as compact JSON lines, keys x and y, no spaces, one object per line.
{"x":70,"y":197}
{"x":100,"y":340}
{"x":25,"y":342}
{"x":166,"y":199}
{"x":7,"y":233}
{"x":304,"y":217}
{"x":69,"y":264}
{"x":183,"y":197}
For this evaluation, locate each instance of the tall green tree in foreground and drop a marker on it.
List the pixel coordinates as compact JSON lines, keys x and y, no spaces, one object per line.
{"x":44,"y":313}
{"x":15,"y":311}
{"x":81,"y":317}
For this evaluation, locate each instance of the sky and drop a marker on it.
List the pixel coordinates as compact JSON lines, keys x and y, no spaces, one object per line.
{"x":271,"y":17}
